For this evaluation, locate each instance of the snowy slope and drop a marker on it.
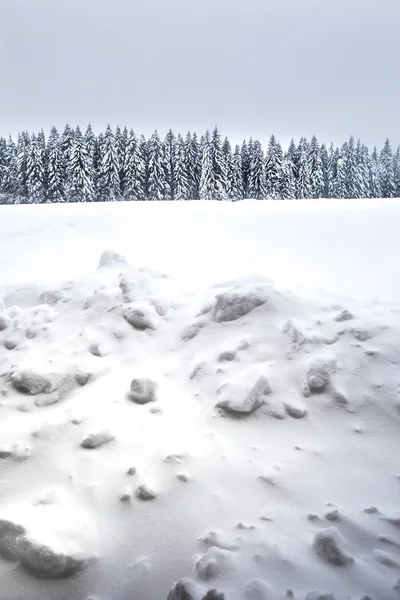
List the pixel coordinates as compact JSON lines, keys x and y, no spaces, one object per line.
{"x":173,"y":413}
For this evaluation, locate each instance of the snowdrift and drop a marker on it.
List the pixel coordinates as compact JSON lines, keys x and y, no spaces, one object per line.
{"x":166,"y":438}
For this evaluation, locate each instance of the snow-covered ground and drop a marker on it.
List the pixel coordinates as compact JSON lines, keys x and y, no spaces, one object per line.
{"x":200,"y":396}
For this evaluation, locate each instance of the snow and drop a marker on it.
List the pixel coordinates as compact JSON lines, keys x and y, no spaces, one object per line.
{"x":200,"y":401}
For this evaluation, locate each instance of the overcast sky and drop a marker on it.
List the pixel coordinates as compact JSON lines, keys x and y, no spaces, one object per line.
{"x":292,"y":67}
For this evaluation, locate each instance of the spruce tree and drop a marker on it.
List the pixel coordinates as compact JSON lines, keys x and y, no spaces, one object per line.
{"x":91,"y":149}
{"x":246,"y":152}
{"x":303,"y":183}
{"x":218,"y":166}
{"x":235,"y":177}
{"x":196,"y":171}
{"x":316,"y":170}
{"x":22,"y":162}
{"x":66,"y":142}
{"x":108,"y":188}
{"x":256,"y":182}
{"x":273,"y":169}
{"x":180,"y":183}
{"x":170,"y":153}
{"x":374,"y":176}
{"x":207,"y":180}
{"x":35,"y":180}
{"x":55,"y":178}
{"x":9,"y":185}
{"x":388,"y":188}
{"x":134,"y":175}
{"x":339,"y":188}
{"x":396,"y":170}
{"x":157,"y":185}
{"x":353,"y":175}
{"x":144,"y":153}
{"x":80,"y":175}
{"x":288,"y":185}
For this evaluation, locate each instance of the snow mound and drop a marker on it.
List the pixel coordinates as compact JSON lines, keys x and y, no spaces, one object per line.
{"x":143,"y":391}
{"x":245,"y":395}
{"x":139,"y":318}
{"x":330,"y":545}
{"x":214,"y":564}
{"x":258,"y":589}
{"x":230,"y":306}
{"x":109,"y":258}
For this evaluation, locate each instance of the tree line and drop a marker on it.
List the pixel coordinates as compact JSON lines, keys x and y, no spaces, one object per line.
{"x":118,"y":165}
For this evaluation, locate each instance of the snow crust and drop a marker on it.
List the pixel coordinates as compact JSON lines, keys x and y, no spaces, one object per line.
{"x":185,"y":435}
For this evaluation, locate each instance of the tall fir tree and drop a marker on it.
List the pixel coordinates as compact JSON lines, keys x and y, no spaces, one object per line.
{"x":386,"y":168}
{"x":55,"y":178}
{"x":170,"y":153}
{"x":325,"y":170}
{"x":396,"y":170}
{"x":207,"y":180}
{"x":375,"y":176}
{"x":80,"y":175}
{"x":288,"y":185}
{"x":35,"y":180}
{"x":134,"y":174}
{"x":235,"y":176}
{"x":9,"y":186}
{"x":246,"y":152}
{"x":317,"y":180}
{"x":67,"y":137}
{"x":22,"y":162}
{"x":181,"y":188}
{"x":219,"y":167}
{"x":157,"y":184}
{"x":108,"y":186}
{"x":303,"y":182}
{"x":353,"y":176}
{"x":339,"y":188}
{"x":256,"y":182}
{"x":273,"y":169}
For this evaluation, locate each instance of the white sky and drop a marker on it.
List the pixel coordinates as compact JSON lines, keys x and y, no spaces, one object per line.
{"x":292,"y":67}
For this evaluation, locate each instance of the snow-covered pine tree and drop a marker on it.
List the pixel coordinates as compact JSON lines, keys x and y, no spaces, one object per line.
{"x":97,"y":163}
{"x":207,"y":180}
{"x":273,"y":169}
{"x":303,"y":183}
{"x":256,"y":182}
{"x":190,"y":167}
{"x":228,"y":168}
{"x":339,"y":189}
{"x":363,"y":163}
{"x":80,"y":176}
{"x":108,"y":185}
{"x":396,"y":170}
{"x":134,"y":170}
{"x":388,"y":188}
{"x":67,"y":137}
{"x":91,"y":148}
{"x":197,"y":157}
{"x":235,"y":176}
{"x":170,"y":153}
{"x":144,"y":153}
{"x":291,"y":155}
{"x":157,"y":184}
{"x":288,"y":185}
{"x":374,"y":175}
{"x":325,"y":169}
{"x":180,"y":183}
{"x":55,"y":173}
{"x":35,"y":180}
{"x":353,"y":176}
{"x":9,"y":185}
{"x":218,"y":166}
{"x":121,"y":140}
{"x":22,"y":161}
{"x":316,"y":170}
{"x":246,"y":154}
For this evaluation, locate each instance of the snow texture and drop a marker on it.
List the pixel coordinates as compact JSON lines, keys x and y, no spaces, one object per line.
{"x":209,"y":427}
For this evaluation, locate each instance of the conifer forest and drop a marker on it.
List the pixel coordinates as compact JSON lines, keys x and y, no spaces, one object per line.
{"x":73,"y":166}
